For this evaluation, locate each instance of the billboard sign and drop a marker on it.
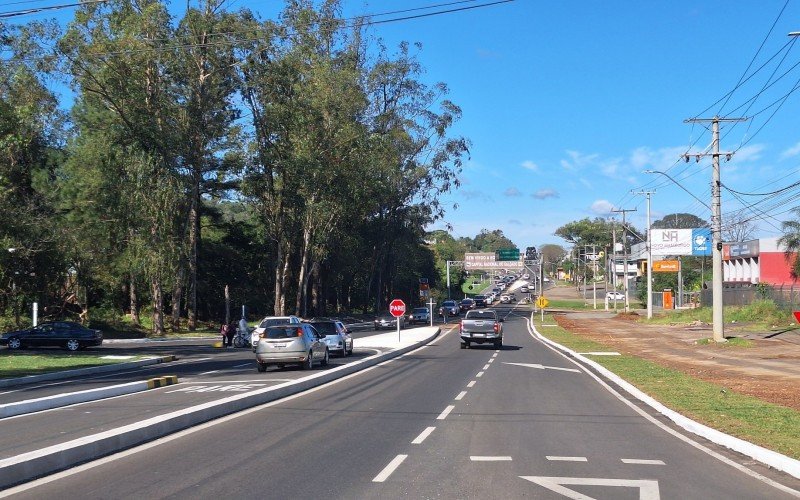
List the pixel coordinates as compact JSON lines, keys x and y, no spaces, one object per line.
{"x":486,"y":260}
{"x":681,"y":241}
{"x":740,"y":250}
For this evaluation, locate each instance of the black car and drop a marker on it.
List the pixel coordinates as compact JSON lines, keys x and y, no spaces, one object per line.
{"x":67,"y":334}
{"x":466,"y":304}
{"x":480,"y":301}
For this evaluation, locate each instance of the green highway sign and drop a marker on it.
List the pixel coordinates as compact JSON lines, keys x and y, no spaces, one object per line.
{"x":508,"y":254}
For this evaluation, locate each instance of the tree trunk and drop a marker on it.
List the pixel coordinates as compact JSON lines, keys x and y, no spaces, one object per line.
{"x":134,"y":302}
{"x":278,"y":281}
{"x":177,"y":297}
{"x":158,"y":308}
{"x":194,"y":238}
{"x":302,"y":279}
{"x":317,"y":302}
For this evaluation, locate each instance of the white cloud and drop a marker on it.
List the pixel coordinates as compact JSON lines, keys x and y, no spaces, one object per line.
{"x":601,"y":207}
{"x":475,"y":195}
{"x":578,"y":160}
{"x":586,"y":183}
{"x":543,"y":194}
{"x":791,"y":152}
{"x":530,"y":165}
{"x":749,"y":153}
{"x":514,"y":222}
{"x":512,"y":191}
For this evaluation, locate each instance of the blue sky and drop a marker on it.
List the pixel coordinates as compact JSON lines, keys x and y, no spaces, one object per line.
{"x":567,"y":102}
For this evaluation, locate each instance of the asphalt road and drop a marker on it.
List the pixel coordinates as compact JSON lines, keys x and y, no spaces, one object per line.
{"x":439,"y":422}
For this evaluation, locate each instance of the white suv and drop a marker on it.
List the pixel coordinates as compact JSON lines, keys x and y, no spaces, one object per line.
{"x":267,"y":322}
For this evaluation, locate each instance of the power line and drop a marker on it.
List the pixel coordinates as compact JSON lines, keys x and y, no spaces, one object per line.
{"x":17,"y":13}
{"x":738,"y":84}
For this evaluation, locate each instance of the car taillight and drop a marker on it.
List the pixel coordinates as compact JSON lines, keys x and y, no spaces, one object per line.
{"x":496,"y":327}
{"x":461,"y":326}
{"x":299,"y":332}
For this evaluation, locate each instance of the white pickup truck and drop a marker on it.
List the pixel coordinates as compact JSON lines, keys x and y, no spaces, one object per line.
{"x":481,"y":326}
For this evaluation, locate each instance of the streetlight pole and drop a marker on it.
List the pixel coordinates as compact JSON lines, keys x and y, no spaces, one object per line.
{"x":649,"y":258}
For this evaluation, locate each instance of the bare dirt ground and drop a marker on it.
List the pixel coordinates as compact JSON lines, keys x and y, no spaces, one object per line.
{"x":770,"y":370}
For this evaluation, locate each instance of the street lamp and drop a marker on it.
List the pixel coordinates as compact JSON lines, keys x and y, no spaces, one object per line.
{"x":678,"y":184}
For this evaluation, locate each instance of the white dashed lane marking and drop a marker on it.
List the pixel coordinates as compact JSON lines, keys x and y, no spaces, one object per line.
{"x":471,"y":384}
{"x":485,"y":367}
{"x":480,"y":374}
{"x":641,"y":461}
{"x":461,"y":395}
{"x":387,"y":471}
{"x":445,"y":413}
{"x":490,"y":459}
{"x":567,"y":459}
{"x":422,"y":435}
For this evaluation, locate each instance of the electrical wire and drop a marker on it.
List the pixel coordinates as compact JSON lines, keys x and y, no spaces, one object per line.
{"x":753,"y":59}
{"x":6,"y":15}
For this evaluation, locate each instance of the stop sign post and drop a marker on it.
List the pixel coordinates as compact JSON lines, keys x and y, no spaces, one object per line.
{"x":397,"y":308}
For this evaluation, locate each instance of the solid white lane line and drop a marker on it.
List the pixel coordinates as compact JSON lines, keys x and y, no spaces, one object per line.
{"x":489,"y":459}
{"x":445,"y":413}
{"x":480,"y":374}
{"x":485,"y":367}
{"x":641,"y":461}
{"x":461,"y":395}
{"x":471,"y":384}
{"x":422,"y":435}
{"x":387,"y":471}
{"x":567,"y":459}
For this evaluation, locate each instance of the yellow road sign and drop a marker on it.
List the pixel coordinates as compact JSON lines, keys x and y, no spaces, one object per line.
{"x":542,"y":302}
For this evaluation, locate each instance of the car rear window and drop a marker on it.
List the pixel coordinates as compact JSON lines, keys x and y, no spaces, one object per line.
{"x":283,"y":333}
{"x":481,"y":315}
{"x":325,"y":327}
{"x":420,"y":309}
{"x":274,"y":321}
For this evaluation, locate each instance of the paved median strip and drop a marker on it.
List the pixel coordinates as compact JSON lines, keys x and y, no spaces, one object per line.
{"x":71,"y":398}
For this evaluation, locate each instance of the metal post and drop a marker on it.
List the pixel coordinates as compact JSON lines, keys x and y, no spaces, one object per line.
{"x":649,"y":258}
{"x":430,"y":303}
{"x":448,"y":279}
{"x":625,"y":256}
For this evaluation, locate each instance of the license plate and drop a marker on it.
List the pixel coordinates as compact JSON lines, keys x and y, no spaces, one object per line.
{"x":278,"y":345}
{"x":478,"y":334}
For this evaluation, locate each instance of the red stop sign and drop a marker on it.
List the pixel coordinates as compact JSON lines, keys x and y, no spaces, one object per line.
{"x":397,"y":308}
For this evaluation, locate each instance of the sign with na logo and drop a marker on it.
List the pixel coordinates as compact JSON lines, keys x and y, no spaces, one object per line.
{"x":680,"y":241}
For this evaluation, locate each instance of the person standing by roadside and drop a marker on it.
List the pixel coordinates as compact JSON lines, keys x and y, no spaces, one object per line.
{"x":224,"y":332}
{"x":230,"y":333}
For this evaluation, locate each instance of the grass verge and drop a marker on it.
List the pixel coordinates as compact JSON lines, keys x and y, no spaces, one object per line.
{"x":765,"y":424}
{"x":21,"y":364}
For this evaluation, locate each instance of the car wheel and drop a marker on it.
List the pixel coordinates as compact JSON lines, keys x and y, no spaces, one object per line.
{"x":262,"y":367}
{"x":238,"y":342}
{"x":14,"y":343}
{"x":73,"y":345}
{"x":498,"y":344}
{"x":350,"y":351}
{"x":463,"y":345}
{"x":308,"y":364}
{"x":325,"y":359}
{"x":466,"y":345}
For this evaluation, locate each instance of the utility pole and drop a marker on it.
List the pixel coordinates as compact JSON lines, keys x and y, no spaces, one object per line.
{"x":649,"y":257}
{"x":623,"y":211}
{"x":716,"y":220}
{"x":614,"y":259}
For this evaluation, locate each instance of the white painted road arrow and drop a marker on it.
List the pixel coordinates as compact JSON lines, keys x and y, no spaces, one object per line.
{"x":542,"y":367}
{"x":648,"y":489}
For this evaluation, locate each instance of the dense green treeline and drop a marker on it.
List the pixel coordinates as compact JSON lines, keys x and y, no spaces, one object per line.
{"x":296,"y":161}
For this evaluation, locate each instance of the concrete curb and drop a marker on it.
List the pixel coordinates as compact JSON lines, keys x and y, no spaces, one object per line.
{"x":71,"y":398}
{"x":28,"y":466}
{"x":60,"y":375}
{"x":158,"y":341}
{"x":763,"y":455}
